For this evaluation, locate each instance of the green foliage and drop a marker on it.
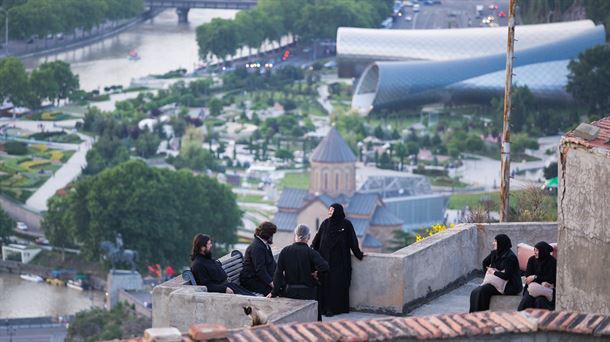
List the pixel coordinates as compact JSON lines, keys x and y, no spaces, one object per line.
{"x":15,"y":148}
{"x":42,"y":17}
{"x":6,"y":225}
{"x":589,"y":79}
{"x":107,"y":152}
{"x":13,"y":81}
{"x":147,"y":144}
{"x":157,"y":212}
{"x":98,"y":324}
{"x":551,"y":171}
{"x":215,"y":106}
{"x":284,"y":154}
{"x":521,"y":141}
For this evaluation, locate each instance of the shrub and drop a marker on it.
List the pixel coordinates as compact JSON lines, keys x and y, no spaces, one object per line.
{"x":433,"y":230}
{"x":16,"y":148}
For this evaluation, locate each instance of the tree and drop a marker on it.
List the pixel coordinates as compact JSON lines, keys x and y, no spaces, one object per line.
{"x":401,"y":153}
{"x":43,"y":85}
{"x":551,"y":171}
{"x":474,"y":143}
{"x":66,"y":81}
{"x":284,"y":154}
{"x":6,"y":225}
{"x":215,"y":106}
{"x":96,"y":324}
{"x":56,"y":223}
{"x":157,"y":211}
{"x":589,"y":79}
{"x":13,"y":81}
{"x":147,"y":144}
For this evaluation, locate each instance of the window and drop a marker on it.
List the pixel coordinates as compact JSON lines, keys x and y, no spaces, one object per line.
{"x":337,"y":182}
{"x":325,"y":181}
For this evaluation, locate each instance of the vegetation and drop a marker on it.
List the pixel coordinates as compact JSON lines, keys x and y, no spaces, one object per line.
{"x":98,"y":324}
{"x":30,"y":18}
{"x":298,"y":180}
{"x":157,"y":212}
{"x":6,"y":225}
{"x":51,"y":81}
{"x":589,"y":79}
{"x":271,"y":19}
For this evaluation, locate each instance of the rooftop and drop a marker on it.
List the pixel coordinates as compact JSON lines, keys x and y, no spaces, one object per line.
{"x":333,"y":149}
{"x":601,"y":141}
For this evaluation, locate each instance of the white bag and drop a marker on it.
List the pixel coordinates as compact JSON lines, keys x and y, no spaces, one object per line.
{"x":537,"y":290}
{"x":497,"y":282}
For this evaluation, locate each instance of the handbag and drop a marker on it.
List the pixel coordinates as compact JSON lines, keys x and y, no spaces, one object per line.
{"x":497,"y":282}
{"x":537,"y":290}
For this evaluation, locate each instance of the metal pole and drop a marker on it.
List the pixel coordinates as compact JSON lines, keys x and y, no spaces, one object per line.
{"x":505,"y":148}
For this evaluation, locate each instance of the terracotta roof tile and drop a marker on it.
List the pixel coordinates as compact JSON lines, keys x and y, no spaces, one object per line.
{"x":602,"y":140}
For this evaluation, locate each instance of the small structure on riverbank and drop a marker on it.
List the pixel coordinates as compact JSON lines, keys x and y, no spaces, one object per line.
{"x":21,"y":253}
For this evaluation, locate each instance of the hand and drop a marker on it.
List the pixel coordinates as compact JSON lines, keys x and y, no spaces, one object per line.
{"x":271,"y":284}
{"x":491,"y":270}
{"x":548,"y":285}
{"x":365,"y":254}
{"x":530,"y":279}
{"x":229,"y":291}
{"x":315,"y":275}
{"x":268,"y":296}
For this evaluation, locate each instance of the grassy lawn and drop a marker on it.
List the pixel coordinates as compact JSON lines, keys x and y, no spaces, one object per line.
{"x":447,"y":181}
{"x":252,"y":199}
{"x":459,"y":201}
{"x":299,"y":180}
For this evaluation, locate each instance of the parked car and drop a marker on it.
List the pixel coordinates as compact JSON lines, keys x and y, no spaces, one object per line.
{"x":22,"y":226}
{"x":42,"y":241}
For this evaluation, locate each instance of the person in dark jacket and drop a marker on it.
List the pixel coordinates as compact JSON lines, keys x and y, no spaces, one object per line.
{"x":259,"y":264}
{"x":541,"y":269}
{"x":334,"y":240}
{"x":298,"y":268}
{"x":209,"y":272}
{"x":504,"y":264}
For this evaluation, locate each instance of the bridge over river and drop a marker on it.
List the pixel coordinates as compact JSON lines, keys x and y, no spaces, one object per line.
{"x":183,"y":6}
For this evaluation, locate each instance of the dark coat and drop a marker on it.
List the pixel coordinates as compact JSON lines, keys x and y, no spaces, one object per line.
{"x":508,"y":269}
{"x":209,"y":273}
{"x":294,"y":267}
{"x":544,"y":270}
{"x":334,"y":242}
{"x":258,"y":263}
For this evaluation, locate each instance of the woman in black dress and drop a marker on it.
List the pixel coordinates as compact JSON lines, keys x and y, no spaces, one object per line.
{"x":504,"y":264}
{"x":334,"y":240}
{"x":541,"y":269}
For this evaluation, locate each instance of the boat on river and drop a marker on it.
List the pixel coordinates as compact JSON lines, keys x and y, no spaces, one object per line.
{"x":76,"y":284}
{"x":31,"y":277}
{"x":133,"y":55}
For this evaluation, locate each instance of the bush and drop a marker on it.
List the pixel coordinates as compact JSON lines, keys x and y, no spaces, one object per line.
{"x":16,"y":148}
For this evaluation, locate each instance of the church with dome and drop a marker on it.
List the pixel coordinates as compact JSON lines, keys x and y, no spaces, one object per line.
{"x":333,"y":180}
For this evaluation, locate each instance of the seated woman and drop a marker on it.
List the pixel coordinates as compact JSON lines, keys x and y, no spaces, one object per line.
{"x":502,"y":263}
{"x":541,"y":269}
{"x":209,"y":272}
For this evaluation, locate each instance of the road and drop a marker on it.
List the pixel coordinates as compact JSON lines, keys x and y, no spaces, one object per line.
{"x":450,"y":14}
{"x":37,"y":334}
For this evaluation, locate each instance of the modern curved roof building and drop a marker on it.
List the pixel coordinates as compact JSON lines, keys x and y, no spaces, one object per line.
{"x":407,"y":67}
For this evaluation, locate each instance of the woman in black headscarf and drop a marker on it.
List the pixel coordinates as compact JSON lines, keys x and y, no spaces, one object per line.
{"x":334,"y":240}
{"x":541,"y":269}
{"x":503,"y":263}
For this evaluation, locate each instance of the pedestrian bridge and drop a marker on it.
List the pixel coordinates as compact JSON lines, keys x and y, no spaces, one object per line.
{"x":183,"y":6}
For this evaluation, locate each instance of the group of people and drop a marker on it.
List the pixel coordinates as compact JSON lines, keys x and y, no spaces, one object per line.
{"x":319,"y":272}
{"x":503,"y":277}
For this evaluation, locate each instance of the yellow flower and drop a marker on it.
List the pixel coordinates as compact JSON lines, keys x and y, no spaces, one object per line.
{"x":418,"y":238}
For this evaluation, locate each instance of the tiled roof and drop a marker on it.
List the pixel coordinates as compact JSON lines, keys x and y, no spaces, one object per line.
{"x":360,"y":225}
{"x":462,"y":326}
{"x":371,"y":242}
{"x":292,"y":198}
{"x":285,"y":221}
{"x":601,"y":142}
{"x":327,"y":200}
{"x":383,"y":217}
{"x":333,"y":149}
{"x":362,"y":204}
{"x":448,"y":326}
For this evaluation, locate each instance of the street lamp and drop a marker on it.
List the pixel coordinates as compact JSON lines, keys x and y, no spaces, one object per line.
{"x":5,"y":28}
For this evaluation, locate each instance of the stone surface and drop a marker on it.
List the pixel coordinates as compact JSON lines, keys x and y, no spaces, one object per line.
{"x":505,"y":303}
{"x":122,"y":279}
{"x":162,"y":335}
{"x":583,"y":279}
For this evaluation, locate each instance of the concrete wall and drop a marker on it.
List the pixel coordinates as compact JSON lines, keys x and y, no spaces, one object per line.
{"x":583,"y":277}
{"x":180,"y":306}
{"x":518,"y":232}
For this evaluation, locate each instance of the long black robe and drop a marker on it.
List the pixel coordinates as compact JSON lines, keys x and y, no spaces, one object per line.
{"x":334,"y":241}
{"x":545,"y":270}
{"x":209,"y":273}
{"x":507,"y":267}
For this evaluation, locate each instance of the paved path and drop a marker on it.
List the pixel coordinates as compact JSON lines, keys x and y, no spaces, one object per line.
{"x":62,"y":177}
{"x":323,"y":98}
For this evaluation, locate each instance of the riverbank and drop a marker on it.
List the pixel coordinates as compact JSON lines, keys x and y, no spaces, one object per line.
{"x":80,"y":42}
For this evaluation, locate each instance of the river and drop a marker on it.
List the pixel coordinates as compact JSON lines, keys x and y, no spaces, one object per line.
{"x":162,"y":44}
{"x":21,"y":298}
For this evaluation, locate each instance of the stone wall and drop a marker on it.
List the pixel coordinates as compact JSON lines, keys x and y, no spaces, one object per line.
{"x":18,"y":212}
{"x":518,"y":232}
{"x":583,"y":276}
{"x":180,"y":306}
